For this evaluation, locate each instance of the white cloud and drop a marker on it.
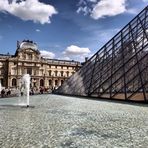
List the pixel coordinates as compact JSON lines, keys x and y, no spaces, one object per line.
{"x":75,"y":50}
{"x":47,"y":54}
{"x":29,"y":10}
{"x":94,"y":1}
{"x":37,"y":30}
{"x":108,"y":8}
{"x":82,"y":2}
{"x":133,"y":11}
{"x":145,"y":1}
{"x":85,"y":10}
{"x":65,"y":58}
{"x":103,"y":8}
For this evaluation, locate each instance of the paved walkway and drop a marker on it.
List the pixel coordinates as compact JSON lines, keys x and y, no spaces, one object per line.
{"x":69,"y":122}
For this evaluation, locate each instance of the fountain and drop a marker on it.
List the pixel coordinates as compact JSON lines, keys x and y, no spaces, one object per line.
{"x":25,"y":84}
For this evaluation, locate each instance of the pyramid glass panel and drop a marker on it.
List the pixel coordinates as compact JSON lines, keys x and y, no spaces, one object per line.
{"x":119,"y":70}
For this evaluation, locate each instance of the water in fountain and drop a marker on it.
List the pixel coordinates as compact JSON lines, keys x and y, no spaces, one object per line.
{"x":25,"y":87}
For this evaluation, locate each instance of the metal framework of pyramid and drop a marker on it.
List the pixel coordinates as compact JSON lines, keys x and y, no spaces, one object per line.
{"x":119,"y":70}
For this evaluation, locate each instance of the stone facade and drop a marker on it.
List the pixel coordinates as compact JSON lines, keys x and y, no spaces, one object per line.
{"x":48,"y":73}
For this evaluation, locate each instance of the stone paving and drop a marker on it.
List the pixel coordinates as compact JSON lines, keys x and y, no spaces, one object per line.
{"x":68,"y":122}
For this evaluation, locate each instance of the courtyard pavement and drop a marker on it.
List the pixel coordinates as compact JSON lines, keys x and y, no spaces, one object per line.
{"x":55,"y":121}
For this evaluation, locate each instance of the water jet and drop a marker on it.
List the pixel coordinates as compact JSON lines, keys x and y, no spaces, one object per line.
{"x":25,"y":84}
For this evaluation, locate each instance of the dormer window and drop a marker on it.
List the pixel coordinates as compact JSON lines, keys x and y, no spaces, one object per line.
{"x":49,"y":72}
{"x":29,"y":56}
{"x":24,"y":56}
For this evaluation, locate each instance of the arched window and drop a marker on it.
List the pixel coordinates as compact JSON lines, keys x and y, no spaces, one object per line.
{"x":56,"y":82}
{"x":56,"y":73}
{"x":2,"y":82}
{"x":62,"y":82}
{"x":62,"y":73}
{"x":13,"y":82}
{"x":41,"y":82}
{"x":67,"y":73}
{"x":50,"y":82}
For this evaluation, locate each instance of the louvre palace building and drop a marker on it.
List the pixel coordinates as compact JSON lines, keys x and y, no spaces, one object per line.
{"x":48,"y":73}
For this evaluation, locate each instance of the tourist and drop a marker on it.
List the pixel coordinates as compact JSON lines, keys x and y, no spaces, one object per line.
{"x":22,"y":93}
{"x":41,"y":90}
{"x":3,"y":93}
{"x":8,"y":92}
{"x":32,"y":91}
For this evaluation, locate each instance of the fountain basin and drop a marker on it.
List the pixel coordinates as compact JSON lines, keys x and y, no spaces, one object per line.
{"x":61,"y":121}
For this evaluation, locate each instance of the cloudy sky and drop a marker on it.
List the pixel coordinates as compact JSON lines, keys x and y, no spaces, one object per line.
{"x":64,"y":29}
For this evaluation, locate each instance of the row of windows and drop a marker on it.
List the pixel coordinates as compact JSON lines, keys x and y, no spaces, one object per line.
{"x":50,"y":82}
{"x":41,"y":72}
{"x":60,"y":73}
{"x":29,"y":56}
{"x":59,"y":67}
{"x":33,"y":57}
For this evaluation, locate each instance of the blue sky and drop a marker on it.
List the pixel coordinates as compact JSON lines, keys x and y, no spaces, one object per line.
{"x":64,"y":29}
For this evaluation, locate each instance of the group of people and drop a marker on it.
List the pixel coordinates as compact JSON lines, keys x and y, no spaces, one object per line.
{"x":31,"y":92}
{"x":5,"y":92}
{"x":47,"y":90}
{"x":34,"y":90}
{"x":44,"y":90}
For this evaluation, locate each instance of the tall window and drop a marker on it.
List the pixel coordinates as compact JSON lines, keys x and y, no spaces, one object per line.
{"x":30,"y":56}
{"x":34,"y":71}
{"x":24,"y":56}
{"x":13,"y":82}
{"x":29,"y":71}
{"x":62,"y":82}
{"x":41,"y":82}
{"x":2,"y":82}
{"x":41,"y":72}
{"x":67,"y":73}
{"x":50,"y":82}
{"x":49,"y":72}
{"x":56,"y":82}
{"x":62,"y":73}
{"x":13,"y":71}
{"x":56,"y":73}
